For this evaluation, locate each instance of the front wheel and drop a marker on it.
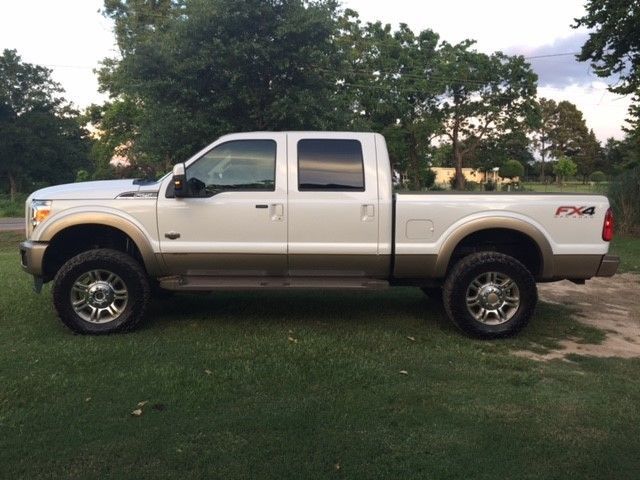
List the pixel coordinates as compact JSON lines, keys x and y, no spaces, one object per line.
{"x":490,"y":295}
{"x":101,"y":291}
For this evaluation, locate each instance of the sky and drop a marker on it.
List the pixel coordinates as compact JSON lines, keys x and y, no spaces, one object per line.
{"x":71,"y":37}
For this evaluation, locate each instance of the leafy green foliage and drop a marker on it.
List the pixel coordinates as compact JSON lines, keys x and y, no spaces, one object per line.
{"x":598,"y":177}
{"x":41,"y":140}
{"x":487,"y":96}
{"x":389,"y":81}
{"x":511,"y":169}
{"x":613,"y":47}
{"x":624,"y":194}
{"x":203,"y":68}
{"x":565,"y":167}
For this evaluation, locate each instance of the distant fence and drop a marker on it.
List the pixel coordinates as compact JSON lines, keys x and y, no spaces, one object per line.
{"x":569,"y":186}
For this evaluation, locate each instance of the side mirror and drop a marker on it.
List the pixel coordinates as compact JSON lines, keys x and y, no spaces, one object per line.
{"x":179,"y":179}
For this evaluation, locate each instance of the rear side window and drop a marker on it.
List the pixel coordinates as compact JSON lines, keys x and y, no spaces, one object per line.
{"x":330,"y":165}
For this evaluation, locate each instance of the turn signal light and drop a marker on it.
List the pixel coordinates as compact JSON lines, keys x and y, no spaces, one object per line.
{"x":607,"y":229}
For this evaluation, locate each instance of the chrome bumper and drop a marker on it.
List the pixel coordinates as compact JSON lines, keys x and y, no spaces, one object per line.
{"x":608,"y":266}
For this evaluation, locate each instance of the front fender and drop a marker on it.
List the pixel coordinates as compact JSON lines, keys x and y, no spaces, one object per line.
{"x":111,"y":217}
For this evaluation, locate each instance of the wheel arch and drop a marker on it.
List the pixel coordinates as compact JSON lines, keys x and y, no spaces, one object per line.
{"x":508,"y":224}
{"x":64,"y":225}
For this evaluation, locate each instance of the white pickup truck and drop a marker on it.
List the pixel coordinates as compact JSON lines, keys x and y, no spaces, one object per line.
{"x":305,"y":210}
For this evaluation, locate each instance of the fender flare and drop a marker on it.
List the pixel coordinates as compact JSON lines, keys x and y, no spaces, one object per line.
{"x":506,"y":223}
{"x":68,"y":219}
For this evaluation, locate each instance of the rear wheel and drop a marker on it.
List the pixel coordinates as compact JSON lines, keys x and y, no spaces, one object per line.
{"x":101,"y":291}
{"x":490,"y":295}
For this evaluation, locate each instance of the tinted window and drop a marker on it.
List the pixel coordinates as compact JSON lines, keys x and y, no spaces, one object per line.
{"x":330,"y":165}
{"x":236,"y":165}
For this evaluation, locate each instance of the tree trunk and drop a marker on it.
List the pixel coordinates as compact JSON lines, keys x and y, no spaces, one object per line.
{"x":13,"y":186}
{"x":414,"y":164}
{"x":542,"y":165}
{"x":460,"y":180}
{"x":457,"y":157}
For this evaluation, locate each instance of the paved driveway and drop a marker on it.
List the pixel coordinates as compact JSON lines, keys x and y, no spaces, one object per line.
{"x":11,"y":224}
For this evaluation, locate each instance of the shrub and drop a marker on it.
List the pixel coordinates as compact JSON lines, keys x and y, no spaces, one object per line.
{"x":428,"y":178}
{"x":624,"y":193}
{"x":82,"y":176}
{"x":598,"y":177}
{"x":511,"y":169}
{"x":490,"y":186}
{"x":565,"y":167}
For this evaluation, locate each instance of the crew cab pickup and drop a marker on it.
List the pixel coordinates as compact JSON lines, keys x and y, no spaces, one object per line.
{"x":316,"y":210}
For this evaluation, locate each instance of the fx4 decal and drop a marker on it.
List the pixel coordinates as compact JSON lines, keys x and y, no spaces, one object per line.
{"x":571,"y":211}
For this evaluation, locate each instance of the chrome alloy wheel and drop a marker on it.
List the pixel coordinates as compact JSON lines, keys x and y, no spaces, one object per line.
{"x":493,"y":298}
{"x":99,"y":296}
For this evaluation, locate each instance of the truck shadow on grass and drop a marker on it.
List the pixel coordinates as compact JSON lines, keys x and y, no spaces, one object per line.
{"x":405,"y":311}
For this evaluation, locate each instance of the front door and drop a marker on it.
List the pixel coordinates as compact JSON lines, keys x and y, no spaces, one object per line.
{"x":235,"y":222}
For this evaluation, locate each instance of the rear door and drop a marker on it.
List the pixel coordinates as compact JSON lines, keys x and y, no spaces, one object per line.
{"x":333,"y":205}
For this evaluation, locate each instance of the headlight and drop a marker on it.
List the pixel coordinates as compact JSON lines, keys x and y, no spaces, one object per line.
{"x":40,"y":210}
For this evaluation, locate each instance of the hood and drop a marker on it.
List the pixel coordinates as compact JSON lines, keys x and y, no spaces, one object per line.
{"x":104,"y":189}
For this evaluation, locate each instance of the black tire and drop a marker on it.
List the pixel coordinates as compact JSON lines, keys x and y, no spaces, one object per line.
{"x":470,"y":268}
{"x":130,"y":273}
{"x":434,"y":293}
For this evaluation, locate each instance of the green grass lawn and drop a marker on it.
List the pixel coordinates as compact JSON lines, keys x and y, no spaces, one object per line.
{"x":576,"y":187}
{"x":12,"y":209}
{"x":628,"y":248}
{"x":304,"y":385}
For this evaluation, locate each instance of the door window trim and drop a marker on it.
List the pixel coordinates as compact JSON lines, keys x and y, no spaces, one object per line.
{"x":321,"y":189}
{"x":169,"y":192}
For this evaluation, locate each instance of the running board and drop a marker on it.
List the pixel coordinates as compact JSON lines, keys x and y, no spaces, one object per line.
{"x":197,"y":283}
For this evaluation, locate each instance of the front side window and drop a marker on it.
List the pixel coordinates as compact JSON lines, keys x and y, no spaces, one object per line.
{"x":330,"y":165}
{"x":236,"y":165}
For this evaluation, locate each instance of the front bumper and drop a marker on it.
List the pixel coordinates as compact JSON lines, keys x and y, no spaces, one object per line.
{"x":608,"y":266}
{"x":32,"y":257}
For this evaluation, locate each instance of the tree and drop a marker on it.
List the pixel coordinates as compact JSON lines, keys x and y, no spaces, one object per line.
{"x":201,"y":68}
{"x":511,"y":169}
{"x":588,"y":156}
{"x":486,"y":97}
{"x":41,"y":139}
{"x":389,"y":79}
{"x":563,"y":132}
{"x":565,"y":167}
{"x":542,"y":139}
{"x":613,"y":49}
{"x":613,"y":46}
{"x":494,"y":152}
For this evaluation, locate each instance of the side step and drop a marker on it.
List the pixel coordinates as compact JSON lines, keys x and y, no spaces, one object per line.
{"x":197,"y":283}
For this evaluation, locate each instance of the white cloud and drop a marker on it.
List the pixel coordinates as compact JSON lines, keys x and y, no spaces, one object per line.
{"x":68,"y":36}
{"x":598,"y":105}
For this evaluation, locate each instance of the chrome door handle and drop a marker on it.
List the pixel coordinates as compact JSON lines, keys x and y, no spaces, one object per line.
{"x":368,"y":212}
{"x":276,"y":210}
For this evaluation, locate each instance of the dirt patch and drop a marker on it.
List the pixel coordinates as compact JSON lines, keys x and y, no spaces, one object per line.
{"x":609,"y":304}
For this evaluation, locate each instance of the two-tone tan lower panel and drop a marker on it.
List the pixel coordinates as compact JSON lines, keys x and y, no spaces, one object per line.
{"x":234,"y":264}
{"x":415,"y":266}
{"x":578,"y":267}
{"x":374,"y":266}
{"x":225,"y":264}
{"x":564,"y":266}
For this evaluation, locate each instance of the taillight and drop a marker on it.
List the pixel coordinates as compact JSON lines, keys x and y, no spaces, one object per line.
{"x":607,"y":228}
